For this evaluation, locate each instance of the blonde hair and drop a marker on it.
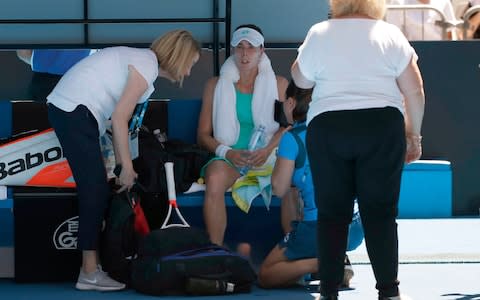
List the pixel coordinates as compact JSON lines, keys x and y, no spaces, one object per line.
{"x":373,"y":8}
{"x":175,"y":51}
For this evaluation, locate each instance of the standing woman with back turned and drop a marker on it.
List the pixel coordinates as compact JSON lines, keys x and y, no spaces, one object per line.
{"x":364,"y":122}
{"x":109,"y":84}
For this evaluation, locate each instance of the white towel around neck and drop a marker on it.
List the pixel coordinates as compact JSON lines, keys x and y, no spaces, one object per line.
{"x":226,"y":127}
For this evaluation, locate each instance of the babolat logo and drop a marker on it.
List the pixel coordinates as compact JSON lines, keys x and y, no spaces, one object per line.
{"x":65,"y":236}
{"x":29,"y":161}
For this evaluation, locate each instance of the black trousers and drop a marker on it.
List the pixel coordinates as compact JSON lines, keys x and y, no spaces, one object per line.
{"x":357,"y":153}
{"x":78,"y":134}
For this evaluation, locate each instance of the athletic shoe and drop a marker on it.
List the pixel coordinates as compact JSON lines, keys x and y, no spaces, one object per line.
{"x":347,"y":273}
{"x":401,"y":297}
{"x":97,"y":281}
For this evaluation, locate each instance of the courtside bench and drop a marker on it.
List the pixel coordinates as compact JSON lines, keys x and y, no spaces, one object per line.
{"x":426,"y":190}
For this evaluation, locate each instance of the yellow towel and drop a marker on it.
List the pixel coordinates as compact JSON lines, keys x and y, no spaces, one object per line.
{"x":256,"y":182}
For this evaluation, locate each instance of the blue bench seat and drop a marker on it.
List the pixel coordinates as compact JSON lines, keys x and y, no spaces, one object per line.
{"x":426,"y":190}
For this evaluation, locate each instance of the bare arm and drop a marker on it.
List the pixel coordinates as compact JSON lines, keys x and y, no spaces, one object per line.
{"x":300,"y":80}
{"x":205,"y":120}
{"x":282,"y":176}
{"x":135,"y":87}
{"x":411,"y":85}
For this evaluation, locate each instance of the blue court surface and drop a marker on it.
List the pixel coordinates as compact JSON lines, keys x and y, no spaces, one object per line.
{"x":439,"y":259}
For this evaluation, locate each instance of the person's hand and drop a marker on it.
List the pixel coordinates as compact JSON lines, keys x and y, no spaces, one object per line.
{"x":414,"y":148}
{"x":238,"y":157}
{"x":258,"y":157}
{"x":285,"y":129}
{"x":126,"y":179}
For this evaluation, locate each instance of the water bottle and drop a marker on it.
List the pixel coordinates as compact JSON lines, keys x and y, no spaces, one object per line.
{"x":256,"y":142}
{"x":206,"y":287}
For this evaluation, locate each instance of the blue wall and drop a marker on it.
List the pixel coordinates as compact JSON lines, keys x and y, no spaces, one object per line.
{"x":450,"y":129}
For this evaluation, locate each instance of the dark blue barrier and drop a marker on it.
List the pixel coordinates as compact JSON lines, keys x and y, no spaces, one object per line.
{"x":6,"y":215}
{"x":5,"y":119}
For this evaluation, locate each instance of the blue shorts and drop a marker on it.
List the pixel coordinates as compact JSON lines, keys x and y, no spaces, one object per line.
{"x":301,"y":242}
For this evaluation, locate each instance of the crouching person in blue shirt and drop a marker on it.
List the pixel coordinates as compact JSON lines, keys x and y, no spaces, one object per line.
{"x":296,"y":255}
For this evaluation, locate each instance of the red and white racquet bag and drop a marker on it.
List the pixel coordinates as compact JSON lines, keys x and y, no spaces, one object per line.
{"x":35,"y":160}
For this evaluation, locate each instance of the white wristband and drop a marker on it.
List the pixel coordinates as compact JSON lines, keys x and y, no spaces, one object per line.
{"x":222,"y":150}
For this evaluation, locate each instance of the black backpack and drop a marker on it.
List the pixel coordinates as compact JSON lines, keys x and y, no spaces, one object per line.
{"x":188,"y":159}
{"x":120,"y":240}
{"x":182,"y":260}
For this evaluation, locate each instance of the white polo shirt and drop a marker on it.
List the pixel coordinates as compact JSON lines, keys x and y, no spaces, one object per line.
{"x":98,"y":81}
{"x":354,"y":64}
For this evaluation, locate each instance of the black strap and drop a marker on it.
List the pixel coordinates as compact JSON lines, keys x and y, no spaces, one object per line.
{"x":302,"y":152}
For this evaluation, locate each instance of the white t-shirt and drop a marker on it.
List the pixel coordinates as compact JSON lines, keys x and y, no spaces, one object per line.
{"x":98,"y":81}
{"x":354,"y":64}
{"x":420,"y":24}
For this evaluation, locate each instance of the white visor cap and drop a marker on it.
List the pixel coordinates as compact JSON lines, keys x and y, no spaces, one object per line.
{"x":247,"y":34}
